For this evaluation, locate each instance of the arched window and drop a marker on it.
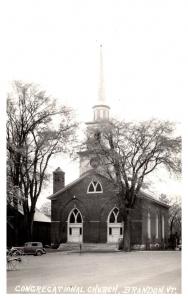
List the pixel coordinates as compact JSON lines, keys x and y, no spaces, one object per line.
{"x":94,"y":187}
{"x":114,"y":216}
{"x":75,"y":216}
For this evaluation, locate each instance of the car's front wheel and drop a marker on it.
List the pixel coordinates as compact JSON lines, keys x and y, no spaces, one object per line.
{"x":38,"y":253}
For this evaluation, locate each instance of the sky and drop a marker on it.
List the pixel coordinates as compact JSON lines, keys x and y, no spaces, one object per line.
{"x":56,"y":45}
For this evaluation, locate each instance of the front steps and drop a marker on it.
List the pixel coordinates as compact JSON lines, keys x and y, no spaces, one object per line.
{"x":88,"y":247}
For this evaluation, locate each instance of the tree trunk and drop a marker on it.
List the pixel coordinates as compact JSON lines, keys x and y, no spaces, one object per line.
{"x":126,"y":234}
{"x":25,"y":228}
{"x":28,"y":226}
{"x":171,"y":226}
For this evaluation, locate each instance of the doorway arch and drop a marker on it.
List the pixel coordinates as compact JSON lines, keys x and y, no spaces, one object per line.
{"x":114,"y":226}
{"x":75,"y":226}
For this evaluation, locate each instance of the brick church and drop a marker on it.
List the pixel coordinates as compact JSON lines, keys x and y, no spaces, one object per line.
{"x":86,"y":210}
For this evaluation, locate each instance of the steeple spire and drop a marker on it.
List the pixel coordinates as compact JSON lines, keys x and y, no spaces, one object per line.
{"x":101,"y":91}
{"x":101,"y":110}
{"x":100,"y":115}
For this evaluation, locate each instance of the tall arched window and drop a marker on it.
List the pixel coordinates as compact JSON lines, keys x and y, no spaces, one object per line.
{"x":94,"y":187}
{"x":75,"y":216}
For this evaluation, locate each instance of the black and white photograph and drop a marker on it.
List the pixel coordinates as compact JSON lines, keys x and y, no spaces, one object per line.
{"x":93,"y":108}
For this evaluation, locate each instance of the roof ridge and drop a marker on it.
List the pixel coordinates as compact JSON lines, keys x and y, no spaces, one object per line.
{"x":74,"y":182}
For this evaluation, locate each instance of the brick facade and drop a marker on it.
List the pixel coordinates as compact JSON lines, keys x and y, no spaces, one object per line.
{"x":95,"y":209}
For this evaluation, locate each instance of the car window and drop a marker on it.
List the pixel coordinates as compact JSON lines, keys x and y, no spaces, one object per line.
{"x":35,"y":244}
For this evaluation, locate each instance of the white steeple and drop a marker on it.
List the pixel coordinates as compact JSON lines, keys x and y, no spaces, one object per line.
{"x":101,"y":110}
{"x":101,"y":114}
{"x":101,"y":91}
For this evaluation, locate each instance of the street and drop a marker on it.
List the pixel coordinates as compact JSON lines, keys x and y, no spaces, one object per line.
{"x":118,"y":272}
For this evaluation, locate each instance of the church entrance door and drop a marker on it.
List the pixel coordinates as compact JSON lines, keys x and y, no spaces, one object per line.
{"x":114,"y":233}
{"x":115,"y":226}
{"x":75,"y":227}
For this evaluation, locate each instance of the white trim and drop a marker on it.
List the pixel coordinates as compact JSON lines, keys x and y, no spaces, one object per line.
{"x":115,"y":207}
{"x":74,"y":226}
{"x":94,"y":186}
{"x":114,"y":226}
{"x":149,"y":225}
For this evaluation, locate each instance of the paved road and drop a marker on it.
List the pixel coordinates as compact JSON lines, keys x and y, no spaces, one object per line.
{"x":118,"y":272}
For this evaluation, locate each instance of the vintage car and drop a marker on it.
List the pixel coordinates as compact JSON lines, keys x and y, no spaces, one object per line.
{"x":35,"y":248}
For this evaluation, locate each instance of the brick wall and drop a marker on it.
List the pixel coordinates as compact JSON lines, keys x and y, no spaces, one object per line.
{"x":95,"y":209}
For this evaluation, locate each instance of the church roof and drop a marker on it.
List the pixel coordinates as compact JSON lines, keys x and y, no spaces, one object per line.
{"x":70,"y":185}
{"x":149,"y":197}
{"x":142,"y":194}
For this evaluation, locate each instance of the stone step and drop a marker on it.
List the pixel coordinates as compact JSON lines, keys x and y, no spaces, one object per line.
{"x":88,"y":247}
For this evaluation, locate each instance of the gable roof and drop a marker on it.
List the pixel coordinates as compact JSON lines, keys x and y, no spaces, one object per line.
{"x":142,"y":194}
{"x":51,"y":197}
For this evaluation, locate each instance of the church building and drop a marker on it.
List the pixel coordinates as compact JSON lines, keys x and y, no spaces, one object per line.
{"x":86,"y":210}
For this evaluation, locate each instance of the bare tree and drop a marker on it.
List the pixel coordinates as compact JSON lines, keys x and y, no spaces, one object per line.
{"x":175,"y":216}
{"x":36,"y":130}
{"x":129,"y":152}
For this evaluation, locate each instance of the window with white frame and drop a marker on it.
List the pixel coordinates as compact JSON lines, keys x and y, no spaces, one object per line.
{"x":75,"y":216}
{"x":95,"y":187}
{"x":114,"y":216}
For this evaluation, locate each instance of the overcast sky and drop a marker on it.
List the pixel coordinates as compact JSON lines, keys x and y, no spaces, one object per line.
{"x":56,"y":44}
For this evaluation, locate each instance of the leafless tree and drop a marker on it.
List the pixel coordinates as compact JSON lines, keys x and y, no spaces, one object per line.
{"x":128,"y":152}
{"x":36,"y":130}
{"x":175,"y":218}
{"x":175,"y":212}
